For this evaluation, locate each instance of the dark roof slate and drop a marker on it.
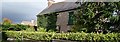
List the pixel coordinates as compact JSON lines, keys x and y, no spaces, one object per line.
{"x":61,"y":6}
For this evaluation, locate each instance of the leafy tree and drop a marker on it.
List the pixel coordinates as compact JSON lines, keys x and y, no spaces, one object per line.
{"x":47,"y":21}
{"x":95,"y":16}
{"x":6,"y":23}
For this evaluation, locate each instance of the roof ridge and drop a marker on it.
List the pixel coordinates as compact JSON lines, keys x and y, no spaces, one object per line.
{"x":60,"y":6}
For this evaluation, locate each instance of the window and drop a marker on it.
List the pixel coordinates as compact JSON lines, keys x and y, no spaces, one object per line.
{"x":71,"y":18}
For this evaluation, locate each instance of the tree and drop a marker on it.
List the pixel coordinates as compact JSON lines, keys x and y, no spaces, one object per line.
{"x":47,"y":21}
{"x":6,"y":23}
{"x":93,"y":16}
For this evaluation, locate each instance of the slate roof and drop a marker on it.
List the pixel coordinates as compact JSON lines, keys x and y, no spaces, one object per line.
{"x":61,"y":6}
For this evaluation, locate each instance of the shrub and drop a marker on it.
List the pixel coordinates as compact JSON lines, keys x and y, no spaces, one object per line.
{"x":16,"y":35}
{"x":14,"y":27}
{"x":47,"y":21}
{"x":41,"y":29}
{"x":64,"y":36}
{"x":31,"y":29}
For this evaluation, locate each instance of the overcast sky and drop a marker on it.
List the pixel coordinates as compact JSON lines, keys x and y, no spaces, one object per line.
{"x":19,"y":10}
{"x":29,"y":0}
{"x":0,"y":10}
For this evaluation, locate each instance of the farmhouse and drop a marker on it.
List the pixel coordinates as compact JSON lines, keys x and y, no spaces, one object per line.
{"x":58,"y":15}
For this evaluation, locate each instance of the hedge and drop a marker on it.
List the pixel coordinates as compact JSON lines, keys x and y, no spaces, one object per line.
{"x":63,"y":36}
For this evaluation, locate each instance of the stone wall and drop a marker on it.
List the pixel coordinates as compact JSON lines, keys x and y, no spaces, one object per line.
{"x":62,"y":21}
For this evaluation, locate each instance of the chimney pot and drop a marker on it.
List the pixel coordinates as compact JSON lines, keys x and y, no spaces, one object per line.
{"x":50,"y":2}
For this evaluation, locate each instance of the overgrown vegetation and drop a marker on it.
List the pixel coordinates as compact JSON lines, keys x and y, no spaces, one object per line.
{"x":47,"y":21}
{"x":97,"y":16}
{"x":7,"y":25}
{"x":91,"y":18}
{"x":63,"y":36}
{"x":16,"y":27}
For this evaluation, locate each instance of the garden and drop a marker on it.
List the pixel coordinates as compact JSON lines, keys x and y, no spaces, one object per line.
{"x":92,"y":22}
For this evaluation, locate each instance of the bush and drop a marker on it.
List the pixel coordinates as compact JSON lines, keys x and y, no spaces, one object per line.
{"x":64,"y":36}
{"x":16,"y":27}
{"x":41,"y":29}
{"x":31,"y":29}
{"x":47,"y":21}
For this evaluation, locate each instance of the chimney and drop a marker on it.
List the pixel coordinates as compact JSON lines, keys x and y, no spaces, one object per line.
{"x":50,"y":2}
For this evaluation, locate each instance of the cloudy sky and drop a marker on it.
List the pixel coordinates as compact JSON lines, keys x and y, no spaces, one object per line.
{"x":18,"y":10}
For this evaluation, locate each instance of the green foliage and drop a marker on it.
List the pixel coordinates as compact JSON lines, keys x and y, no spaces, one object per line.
{"x":0,"y":27}
{"x":51,"y":31}
{"x":31,"y":29}
{"x":64,"y":36}
{"x":6,"y":21}
{"x":97,"y":15}
{"x":16,"y":35}
{"x":5,"y":26}
{"x":41,"y":21}
{"x":41,"y":29}
{"x":15,"y":27}
{"x":47,"y":21}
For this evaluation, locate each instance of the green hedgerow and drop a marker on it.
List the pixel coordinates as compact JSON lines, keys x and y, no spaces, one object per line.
{"x":63,"y":36}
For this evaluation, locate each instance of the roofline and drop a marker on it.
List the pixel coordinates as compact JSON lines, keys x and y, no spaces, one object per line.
{"x":60,"y":11}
